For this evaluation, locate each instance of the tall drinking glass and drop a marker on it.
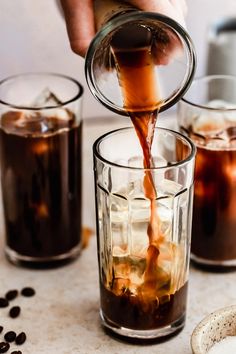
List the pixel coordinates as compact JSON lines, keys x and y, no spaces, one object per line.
{"x":143,"y":280}
{"x":207,"y":114}
{"x":40,"y":160}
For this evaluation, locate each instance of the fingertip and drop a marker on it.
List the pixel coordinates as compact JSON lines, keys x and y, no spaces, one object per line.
{"x":80,"y":47}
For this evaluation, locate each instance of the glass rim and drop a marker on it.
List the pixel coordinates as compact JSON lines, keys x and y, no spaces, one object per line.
{"x":124,"y":19}
{"x":38,"y":74}
{"x":208,"y":78}
{"x":190,"y":157}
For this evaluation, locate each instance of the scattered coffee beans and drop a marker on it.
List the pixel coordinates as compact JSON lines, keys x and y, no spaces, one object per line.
{"x":4,"y":347}
{"x":14,"y":311}
{"x":3,"y":302}
{"x":28,"y":292}
{"x":11,"y":295}
{"x":21,"y":338}
{"x":10,"y":336}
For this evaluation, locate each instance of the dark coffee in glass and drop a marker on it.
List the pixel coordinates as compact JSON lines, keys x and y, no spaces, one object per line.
{"x":208,"y":116}
{"x":40,"y":160}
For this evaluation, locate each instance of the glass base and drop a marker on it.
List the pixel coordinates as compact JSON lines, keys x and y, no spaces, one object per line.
{"x":213,"y":265}
{"x":147,"y":335}
{"x":42,"y":262}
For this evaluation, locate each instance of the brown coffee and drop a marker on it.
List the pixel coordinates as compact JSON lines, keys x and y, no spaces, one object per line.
{"x":40,"y":161}
{"x":133,"y":312}
{"x":214,"y":223}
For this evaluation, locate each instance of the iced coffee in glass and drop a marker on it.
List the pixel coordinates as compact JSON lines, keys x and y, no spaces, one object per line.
{"x":143,"y":230}
{"x":40,"y":161}
{"x":207,"y":114}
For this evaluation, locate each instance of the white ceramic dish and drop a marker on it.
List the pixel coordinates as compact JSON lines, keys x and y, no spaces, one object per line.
{"x":214,"y":328}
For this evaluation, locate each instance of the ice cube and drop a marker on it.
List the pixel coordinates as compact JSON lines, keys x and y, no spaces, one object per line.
{"x":168,"y":187}
{"x":48,"y":99}
{"x":9,"y":120}
{"x":197,"y":138}
{"x":159,"y":161}
{"x":165,"y":214}
{"x":23,"y":122}
{"x":135,"y":161}
{"x":224,"y":140}
{"x":217,"y":143}
{"x":32,"y":123}
{"x":120,"y":286}
{"x":212,"y":123}
{"x":208,"y":124}
{"x":38,"y":122}
{"x":230,"y":117}
{"x":230,"y":132}
{"x":228,"y":110}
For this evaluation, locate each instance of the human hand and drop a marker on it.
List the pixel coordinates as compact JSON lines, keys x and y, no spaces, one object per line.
{"x":80,"y":19}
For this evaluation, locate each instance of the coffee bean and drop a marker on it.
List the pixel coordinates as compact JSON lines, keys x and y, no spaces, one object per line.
{"x":1,"y":329}
{"x":14,"y":311}
{"x":21,"y":338}
{"x":3,"y":302}
{"x":28,"y":292}
{"x":4,"y":347}
{"x":10,"y":336}
{"x":11,"y":294}
{"x":16,"y":352}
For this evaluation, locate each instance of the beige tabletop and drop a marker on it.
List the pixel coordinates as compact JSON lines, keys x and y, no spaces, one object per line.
{"x":63,"y":317}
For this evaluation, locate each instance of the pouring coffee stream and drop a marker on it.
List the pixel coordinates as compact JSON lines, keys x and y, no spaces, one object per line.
{"x":131,"y":51}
